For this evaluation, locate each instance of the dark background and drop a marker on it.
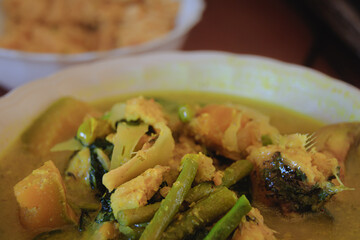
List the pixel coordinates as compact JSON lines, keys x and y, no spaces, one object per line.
{"x":287,"y":30}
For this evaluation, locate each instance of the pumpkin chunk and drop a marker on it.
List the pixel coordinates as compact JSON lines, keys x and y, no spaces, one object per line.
{"x":42,"y":200}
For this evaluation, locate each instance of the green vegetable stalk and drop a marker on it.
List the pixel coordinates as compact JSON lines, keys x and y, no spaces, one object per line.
{"x":224,"y":227}
{"x":232,"y":174}
{"x":170,"y":205}
{"x":199,"y":191}
{"x":143,"y":214}
{"x":235,"y":172}
{"x":201,"y":214}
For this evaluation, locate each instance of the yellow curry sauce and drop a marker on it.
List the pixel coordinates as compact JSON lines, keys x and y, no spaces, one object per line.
{"x":17,"y":162}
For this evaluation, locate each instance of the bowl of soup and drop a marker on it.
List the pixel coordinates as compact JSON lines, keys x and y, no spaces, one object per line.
{"x":178,"y":146}
{"x":39,"y":39}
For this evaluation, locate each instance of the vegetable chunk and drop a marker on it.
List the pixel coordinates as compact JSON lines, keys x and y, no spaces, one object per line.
{"x":42,"y":200}
{"x":138,"y":191}
{"x":145,"y":109}
{"x":252,"y":227}
{"x":158,"y":154}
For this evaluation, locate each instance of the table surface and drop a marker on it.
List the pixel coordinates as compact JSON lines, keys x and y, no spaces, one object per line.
{"x":280,"y":29}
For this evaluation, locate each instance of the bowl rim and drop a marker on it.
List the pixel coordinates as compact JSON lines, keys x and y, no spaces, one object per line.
{"x":176,"y":55}
{"x":176,"y":33}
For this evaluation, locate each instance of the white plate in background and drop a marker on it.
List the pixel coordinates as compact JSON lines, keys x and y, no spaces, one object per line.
{"x":18,"y":67}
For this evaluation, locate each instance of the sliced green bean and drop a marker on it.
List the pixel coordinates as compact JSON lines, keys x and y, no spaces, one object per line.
{"x":201,"y":214}
{"x":143,"y":214}
{"x":199,"y":191}
{"x":132,"y":232}
{"x":235,"y":172}
{"x":232,"y":174}
{"x":224,"y":227}
{"x":170,"y":205}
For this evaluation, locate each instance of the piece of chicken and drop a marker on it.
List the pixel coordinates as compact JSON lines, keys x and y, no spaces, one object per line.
{"x":230,"y":131}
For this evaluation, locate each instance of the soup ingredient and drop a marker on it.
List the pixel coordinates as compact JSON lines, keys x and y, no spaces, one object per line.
{"x":106,"y":212}
{"x":201,"y":214}
{"x":150,"y":155}
{"x":79,"y":168}
{"x":229,"y":131}
{"x":171,"y":204}
{"x":133,"y":216}
{"x":335,"y":140}
{"x":91,"y":129}
{"x":136,"y":192}
{"x":206,"y":170}
{"x":235,"y":172}
{"x":289,"y":176}
{"x":63,"y":117}
{"x":252,"y":227}
{"x":133,"y":232}
{"x":125,"y":141}
{"x":224,"y":227}
{"x":147,"y":110}
{"x":232,"y":174}
{"x":199,"y":191}
{"x":106,"y":231}
{"x":186,"y":113}
{"x":69,"y":145}
{"x":103,"y":231}
{"x":42,"y":200}
{"x":79,"y":179}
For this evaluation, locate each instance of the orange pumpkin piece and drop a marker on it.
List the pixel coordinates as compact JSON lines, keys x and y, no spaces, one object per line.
{"x":42,"y":200}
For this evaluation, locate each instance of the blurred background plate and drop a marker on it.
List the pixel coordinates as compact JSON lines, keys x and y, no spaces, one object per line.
{"x":17,"y":67}
{"x":292,"y":86}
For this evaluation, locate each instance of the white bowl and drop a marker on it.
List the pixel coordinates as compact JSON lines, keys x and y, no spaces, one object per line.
{"x":295,"y":87}
{"x":18,"y":67}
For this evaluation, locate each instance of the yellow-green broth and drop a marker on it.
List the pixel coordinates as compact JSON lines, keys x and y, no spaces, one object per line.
{"x":17,"y":162}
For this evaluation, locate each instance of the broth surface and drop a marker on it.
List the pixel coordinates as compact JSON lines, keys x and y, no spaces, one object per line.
{"x":341,"y":221}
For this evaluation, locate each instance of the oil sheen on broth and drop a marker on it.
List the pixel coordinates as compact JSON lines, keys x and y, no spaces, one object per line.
{"x":341,"y":221}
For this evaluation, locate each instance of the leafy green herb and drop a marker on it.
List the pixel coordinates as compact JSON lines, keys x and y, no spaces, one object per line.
{"x":106,"y":212}
{"x":290,"y":186}
{"x":97,"y":169}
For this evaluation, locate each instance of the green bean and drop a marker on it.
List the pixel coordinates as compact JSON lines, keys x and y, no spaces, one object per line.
{"x":132,"y":232}
{"x":185,"y":113}
{"x":232,"y":174}
{"x":199,"y":191}
{"x":201,"y":214}
{"x":170,"y":205}
{"x":137,"y":215}
{"x":224,"y":227}
{"x":236,"y":172}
